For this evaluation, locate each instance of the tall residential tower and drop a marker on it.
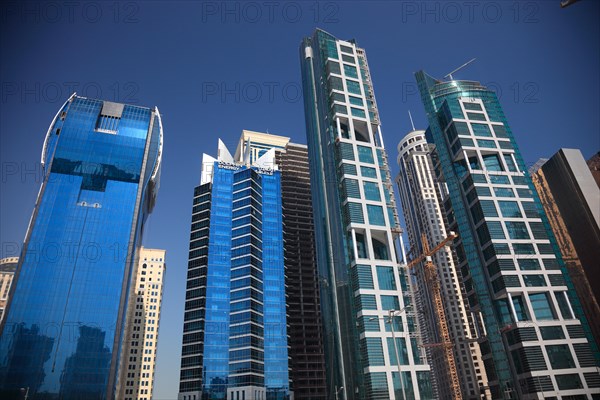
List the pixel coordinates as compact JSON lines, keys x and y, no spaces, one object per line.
{"x":142,"y":329}
{"x":365,"y":295}
{"x":532,"y":340}
{"x":63,"y":335}
{"x":421,"y":195}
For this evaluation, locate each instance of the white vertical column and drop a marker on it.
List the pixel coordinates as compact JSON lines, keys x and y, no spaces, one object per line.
{"x":512,"y":307}
{"x":339,"y":127}
{"x":380,"y":136}
{"x":354,"y":247}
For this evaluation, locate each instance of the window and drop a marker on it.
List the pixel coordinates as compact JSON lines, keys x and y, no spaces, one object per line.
{"x":368,"y":172}
{"x":534,"y":280}
{"x":541,"y":306}
{"x":509,"y":209}
{"x":390,"y":303}
{"x":374,"y":351}
{"x":510,"y":163}
{"x":552,"y":332}
{"x":385,"y":276}
{"x":357,"y":101}
{"x":333,"y":67}
{"x":380,"y":250}
{"x":560,"y":356}
{"x":472,"y":106}
{"x":365,"y":155}
{"x":476,"y":116}
{"x":488,"y":144}
{"x":350,"y":71}
{"x":528,"y":264}
{"x":492,"y":162}
{"x":353,"y":87}
{"x":563,"y":305}
{"x":517,"y":230}
{"x":520,"y":308}
{"x":375,"y":214}
{"x":500,"y":131}
{"x":371,"y":191}
{"x":481,"y":130}
{"x":400,"y":348}
{"x":356,"y":112}
{"x":461,"y":128}
{"x":538,"y":230}
{"x":569,"y":381}
{"x":346,"y":49}
{"x":504,"y":192}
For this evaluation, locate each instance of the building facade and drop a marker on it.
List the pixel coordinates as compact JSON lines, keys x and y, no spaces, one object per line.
{"x":143,"y":325}
{"x":365,"y":296}
{"x":235,"y":340}
{"x":307,"y":362}
{"x":8,"y":266}
{"x":421,"y":195}
{"x":63,"y":334}
{"x":533,"y":344}
{"x":571,"y":199}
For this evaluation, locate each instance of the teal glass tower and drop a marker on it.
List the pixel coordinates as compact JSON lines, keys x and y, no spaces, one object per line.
{"x":534,"y":340}
{"x":235,"y":342}
{"x":63,"y":334}
{"x":372,"y":345}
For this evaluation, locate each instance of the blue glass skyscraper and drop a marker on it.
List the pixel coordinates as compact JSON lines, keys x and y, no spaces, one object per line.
{"x":62,"y":336}
{"x":534,"y":339}
{"x":235,"y":343}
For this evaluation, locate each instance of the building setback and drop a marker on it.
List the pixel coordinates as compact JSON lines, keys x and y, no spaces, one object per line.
{"x":142,"y":326}
{"x":571,"y":199}
{"x":421,"y":198}
{"x":365,"y":296}
{"x":63,"y":335}
{"x":533,"y":345}
{"x":8,"y":266}
{"x":235,"y":341}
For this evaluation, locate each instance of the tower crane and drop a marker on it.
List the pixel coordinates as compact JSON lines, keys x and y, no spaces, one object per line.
{"x":433,"y":282}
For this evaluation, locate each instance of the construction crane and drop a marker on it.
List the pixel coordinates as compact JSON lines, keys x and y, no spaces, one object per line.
{"x":433,"y":281}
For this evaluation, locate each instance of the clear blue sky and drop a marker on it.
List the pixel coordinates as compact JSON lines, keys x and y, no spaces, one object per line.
{"x":214,"y":71}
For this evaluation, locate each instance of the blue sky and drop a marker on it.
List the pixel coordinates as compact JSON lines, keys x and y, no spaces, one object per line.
{"x":215,"y":68}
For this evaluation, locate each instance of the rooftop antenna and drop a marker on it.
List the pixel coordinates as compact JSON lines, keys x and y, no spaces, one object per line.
{"x":459,"y":68}
{"x":411,"y":120}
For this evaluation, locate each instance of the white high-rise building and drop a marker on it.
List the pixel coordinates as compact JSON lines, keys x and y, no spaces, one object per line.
{"x":8,"y":266}
{"x":362,"y":277}
{"x":420,"y":195}
{"x":143,"y":325}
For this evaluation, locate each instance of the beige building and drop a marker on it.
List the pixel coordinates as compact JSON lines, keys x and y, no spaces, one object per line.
{"x":138,"y":374}
{"x":7,"y":272}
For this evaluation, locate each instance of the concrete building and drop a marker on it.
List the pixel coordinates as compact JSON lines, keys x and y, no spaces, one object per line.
{"x":8,"y":266}
{"x":143,"y":325}
{"x":421,"y":197}
{"x":571,"y":199}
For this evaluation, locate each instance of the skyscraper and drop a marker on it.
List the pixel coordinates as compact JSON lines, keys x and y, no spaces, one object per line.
{"x":63,"y":334}
{"x":8,"y":266}
{"x":365,"y":296}
{"x":307,"y":362}
{"x":532,"y":342}
{"x":571,"y":200}
{"x":142,"y":328}
{"x":235,"y":341}
{"x":421,"y":197}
